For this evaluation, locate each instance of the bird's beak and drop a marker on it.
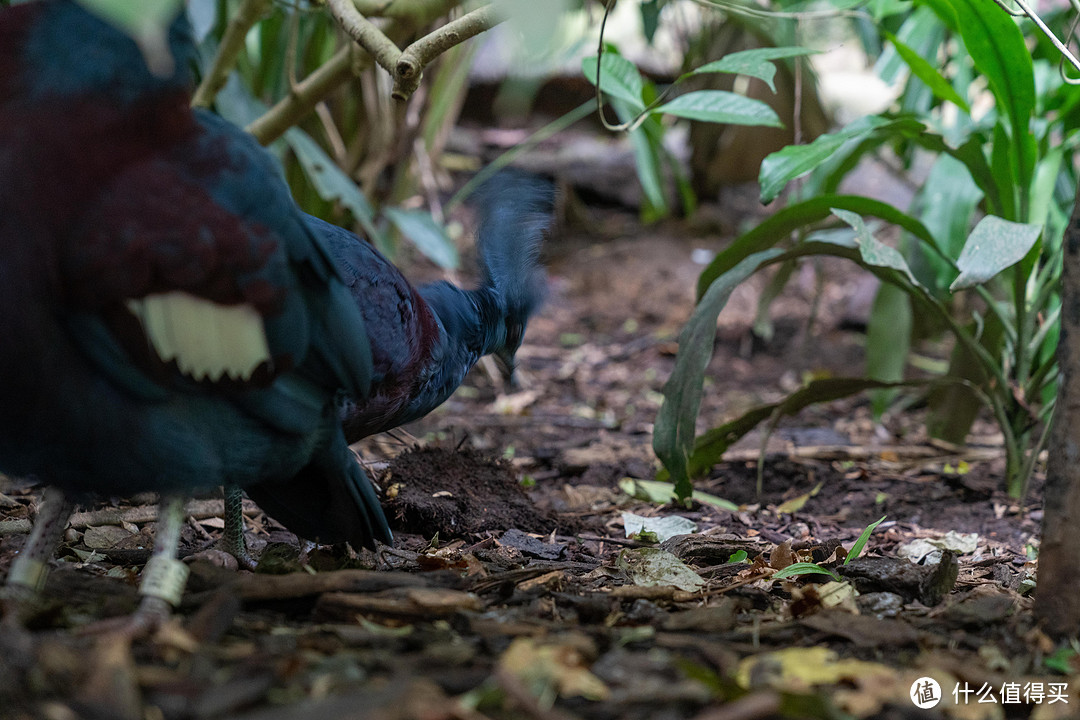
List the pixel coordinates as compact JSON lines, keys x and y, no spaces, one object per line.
{"x":504,"y":360}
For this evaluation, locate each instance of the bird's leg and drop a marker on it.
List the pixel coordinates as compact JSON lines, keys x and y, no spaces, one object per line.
{"x":232,"y":541}
{"x":164,"y":576}
{"x":26,"y":578}
{"x":28,"y":571}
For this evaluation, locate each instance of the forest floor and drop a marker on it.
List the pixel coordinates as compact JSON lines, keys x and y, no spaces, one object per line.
{"x":513,"y":590}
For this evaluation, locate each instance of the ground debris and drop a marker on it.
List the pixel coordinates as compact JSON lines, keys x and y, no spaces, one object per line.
{"x":926,"y":583}
{"x":419,"y":603}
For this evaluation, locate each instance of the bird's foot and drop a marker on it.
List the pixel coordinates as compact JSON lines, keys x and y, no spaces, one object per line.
{"x":15,"y":595}
{"x":152,"y":613}
{"x":18,"y":650}
{"x":18,"y":602}
{"x":245,"y":559}
{"x":30,"y":568}
{"x":239,"y":550}
{"x":161,"y":589}
{"x":16,"y":643}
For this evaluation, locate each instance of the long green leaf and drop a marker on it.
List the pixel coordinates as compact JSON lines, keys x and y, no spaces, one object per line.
{"x":330,"y":181}
{"x":920,"y":31}
{"x":946,"y":204}
{"x":997,"y":47}
{"x":721,"y":106}
{"x":783,"y":166}
{"x":756,"y":63}
{"x":805,"y":568}
{"x":873,"y":251}
{"x":888,"y":338}
{"x":864,"y":536}
{"x":710,"y":447}
{"x":646,"y":144}
{"x":673,"y":435}
{"x":426,"y":234}
{"x":973,"y":157}
{"x":928,"y":74}
{"x":619,"y":78}
{"x":662,"y":493}
{"x":1042,"y":188}
{"x":953,"y":409}
{"x":801,"y":215}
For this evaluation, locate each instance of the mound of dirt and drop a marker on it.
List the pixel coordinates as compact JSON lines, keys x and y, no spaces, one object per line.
{"x":458,"y":492}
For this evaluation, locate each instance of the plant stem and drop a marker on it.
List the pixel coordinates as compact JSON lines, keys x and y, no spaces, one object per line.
{"x":365,"y":33}
{"x":231,"y":44}
{"x":407,"y":66}
{"x":412,"y":60}
{"x":307,"y":93}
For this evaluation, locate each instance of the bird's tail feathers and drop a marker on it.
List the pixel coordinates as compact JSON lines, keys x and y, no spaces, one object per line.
{"x":329,"y":501}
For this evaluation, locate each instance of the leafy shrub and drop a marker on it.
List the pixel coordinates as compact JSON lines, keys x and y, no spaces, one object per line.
{"x":988,"y":222}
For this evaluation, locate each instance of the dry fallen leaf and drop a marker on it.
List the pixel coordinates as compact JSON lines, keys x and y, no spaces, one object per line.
{"x":800,"y":669}
{"x":653,"y":566}
{"x":557,"y":667}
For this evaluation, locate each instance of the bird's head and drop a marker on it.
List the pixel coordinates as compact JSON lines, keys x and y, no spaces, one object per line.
{"x":514,"y":211}
{"x":506,"y":355}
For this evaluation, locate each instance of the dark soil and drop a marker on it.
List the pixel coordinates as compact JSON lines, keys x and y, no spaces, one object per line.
{"x":458,"y":493}
{"x":513,"y":590}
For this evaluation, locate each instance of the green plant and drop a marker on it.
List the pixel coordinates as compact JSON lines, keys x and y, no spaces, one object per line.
{"x":805,"y":568}
{"x":860,"y":543}
{"x":641,"y":108}
{"x":1006,"y":172}
{"x":811,"y":568}
{"x":350,"y":152}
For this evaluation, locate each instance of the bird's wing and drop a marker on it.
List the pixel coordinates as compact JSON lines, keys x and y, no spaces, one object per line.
{"x":399,"y":324}
{"x":196,"y":258}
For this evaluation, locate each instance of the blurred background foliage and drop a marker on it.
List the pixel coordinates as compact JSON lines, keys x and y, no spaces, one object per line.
{"x":358,"y":150}
{"x":980,"y":125}
{"x":362,"y":159}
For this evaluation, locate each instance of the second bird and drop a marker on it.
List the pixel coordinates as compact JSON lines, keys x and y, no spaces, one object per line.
{"x":423,"y":340}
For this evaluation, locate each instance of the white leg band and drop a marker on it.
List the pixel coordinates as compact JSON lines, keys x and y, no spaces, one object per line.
{"x":164,"y":577}
{"x":28,"y":573}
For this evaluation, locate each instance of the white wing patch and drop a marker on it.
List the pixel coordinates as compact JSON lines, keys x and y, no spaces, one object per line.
{"x":206,"y":339}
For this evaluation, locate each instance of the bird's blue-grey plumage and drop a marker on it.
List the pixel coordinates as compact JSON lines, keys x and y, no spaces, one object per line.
{"x":122,"y":213}
{"x":424,"y":340}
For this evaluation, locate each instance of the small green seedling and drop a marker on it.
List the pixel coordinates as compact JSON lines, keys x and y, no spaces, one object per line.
{"x":857,"y":548}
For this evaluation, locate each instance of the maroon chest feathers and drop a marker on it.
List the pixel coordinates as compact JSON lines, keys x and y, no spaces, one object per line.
{"x":64,"y":151}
